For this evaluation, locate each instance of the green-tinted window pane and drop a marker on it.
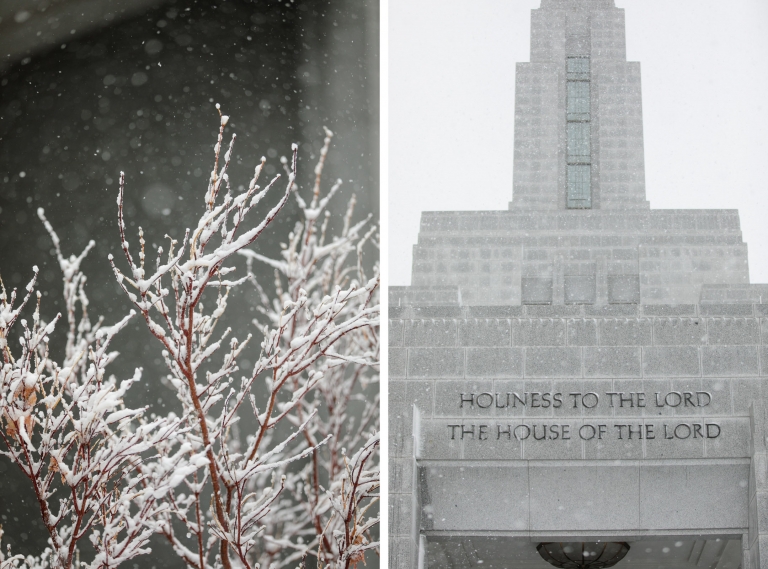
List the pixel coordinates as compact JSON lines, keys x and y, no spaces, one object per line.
{"x":579,"y":186}
{"x":578,"y":65}
{"x":578,"y":100}
{"x":578,"y":143}
{"x":578,"y":134}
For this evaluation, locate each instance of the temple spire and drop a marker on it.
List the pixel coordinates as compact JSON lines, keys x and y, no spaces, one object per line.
{"x":578,"y":117}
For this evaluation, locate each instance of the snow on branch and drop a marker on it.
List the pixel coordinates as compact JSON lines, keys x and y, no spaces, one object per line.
{"x":256,"y":500}
{"x":66,"y":428}
{"x":255,"y":471}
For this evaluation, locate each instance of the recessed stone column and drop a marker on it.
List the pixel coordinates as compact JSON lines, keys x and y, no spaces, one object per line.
{"x":757,"y":537}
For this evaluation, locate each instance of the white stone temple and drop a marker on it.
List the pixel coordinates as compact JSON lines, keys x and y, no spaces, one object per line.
{"x":580,"y":371}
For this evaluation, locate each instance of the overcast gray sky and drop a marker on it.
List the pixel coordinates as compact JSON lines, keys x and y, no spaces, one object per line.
{"x":451,"y":109}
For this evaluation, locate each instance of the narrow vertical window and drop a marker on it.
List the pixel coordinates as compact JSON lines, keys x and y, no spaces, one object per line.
{"x":578,"y":137}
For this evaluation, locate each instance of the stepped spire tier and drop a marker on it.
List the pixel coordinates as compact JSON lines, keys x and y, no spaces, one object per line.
{"x":578,"y":112}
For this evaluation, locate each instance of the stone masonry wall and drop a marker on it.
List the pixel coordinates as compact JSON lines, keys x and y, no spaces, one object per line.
{"x":438,"y":354}
{"x":670,"y":253}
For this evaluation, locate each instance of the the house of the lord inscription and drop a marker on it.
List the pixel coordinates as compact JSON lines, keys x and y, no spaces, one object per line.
{"x":585,"y":430}
{"x":580,"y":372}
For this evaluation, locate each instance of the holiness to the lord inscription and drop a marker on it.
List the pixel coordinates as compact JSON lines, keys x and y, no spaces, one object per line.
{"x":552,"y":431}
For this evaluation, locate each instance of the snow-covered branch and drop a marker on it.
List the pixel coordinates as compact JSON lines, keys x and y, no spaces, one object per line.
{"x":66,"y":428}
{"x":255,"y":470}
{"x":259,"y":500}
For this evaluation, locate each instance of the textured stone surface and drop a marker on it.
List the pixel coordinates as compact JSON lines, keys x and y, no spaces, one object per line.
{"x":671,"y":361}
{"x":612,"y":362}
{"x":438,"y":332}
{"x":625,"y":332}
{"x":582,"y":332}
{"x":733,"y":331}
{"x":485,"y":498}
{"x":436,"y":443}
{"x":674,"y":501}
{"x":485,"y":332}
{"x":494,"y":362}
{"x":729,"y":360}
{"x":568,"y":496}
{"x":553,"y":362}
{"x":679,"y":331}
{"x":435,"y":362}
{"x":397,"y":360}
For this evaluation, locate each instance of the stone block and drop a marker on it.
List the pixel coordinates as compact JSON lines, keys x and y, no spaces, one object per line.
{"x":565,"y":498}
{"x":511,"y":406}
{"x":581,"y":332}
{"x":676,"y":438}
{"x":612,"y":362}
{"x":400,"y":514}
{"x":722,"y":397}
{"x":401,"y":554}
{"x":626,"y":404}
{"x":437,"y":312}
{"x":625,"y":332}
{"x":671,"y":496}
{"x":691,"y":398}
{"x":733,"y":331}
{"x":537,"y":405}
{"x":761,"y":546}
{"x":494,"y":362}
{"x":623,"y":289}
{"x":607,"y":445}
{"x":435,"y":362}
{"x":724,"y":361}
{"x":448,"y":398}
{"x":552,"y":439}
{"x":726,"y":310}
{"x":400,"y":475}
{"x":591,"y":386}
{"x":439,"y":333}
{"x":420,"y":394}
{"x":579,"y":289}
{"x":753,"y":531}
{"x":759,"y":469}
{"x":669,"y":310}
{"x":536,"y":291}
{"x":764,"y":359}
{"x":396,"y":361}
{"x":485,"y":332}
{"x":479,"y":498}
{"x":612,"y":310}
{"x":671,"y":361}
{"x":494,"y":311}
{"x":744,"y":391}
{"x":563,"y":403}
{"x":538,"y":332}
{"x":501,"y":443}
{"x":733,"y":441}
{"x":662,"y":386}
{"x":396,"y":333}
{"x":435,"y":442}
{"x":398,"y":312}
{"x":553,"y":362}
{"x":397,"y":399}
{"x":679,"y":331}
{"x":556,"y":311}
{"x":400,"y":432}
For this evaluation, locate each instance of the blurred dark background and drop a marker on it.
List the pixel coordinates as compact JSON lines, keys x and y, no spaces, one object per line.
{"x":92,"y":87}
